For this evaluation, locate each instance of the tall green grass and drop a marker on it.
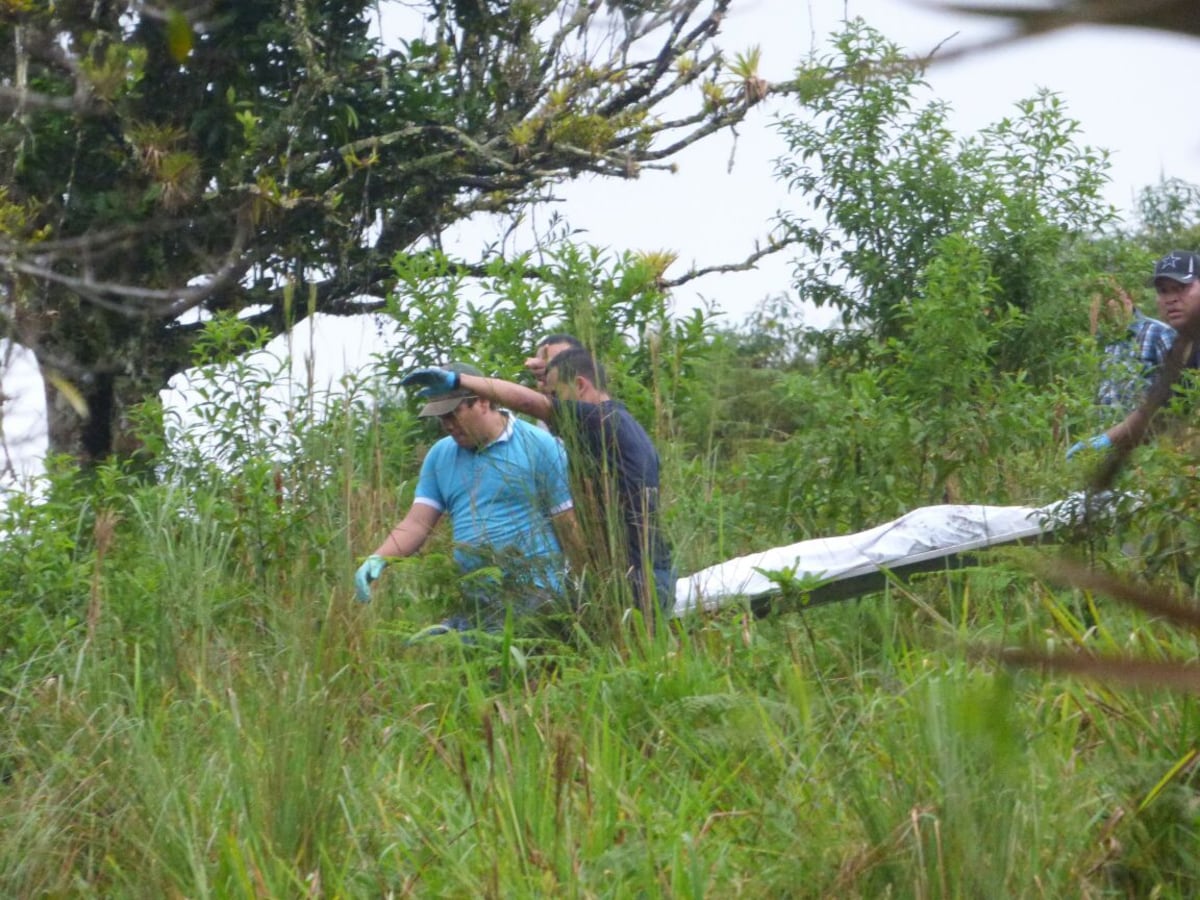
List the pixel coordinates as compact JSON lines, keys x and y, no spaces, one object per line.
{"x":194,"y":705}
{"x":231,"y":723}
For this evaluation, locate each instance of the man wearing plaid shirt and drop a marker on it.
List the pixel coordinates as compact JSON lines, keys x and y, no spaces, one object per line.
{"x":1174,"y":274}
{"x":1129,"y":365}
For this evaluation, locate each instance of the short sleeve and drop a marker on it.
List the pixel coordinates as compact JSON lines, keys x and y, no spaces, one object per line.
{"x":428,"y":490}
{"x":558,"y":485}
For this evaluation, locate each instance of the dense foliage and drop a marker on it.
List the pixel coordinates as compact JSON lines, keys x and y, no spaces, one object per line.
{"x":887,"y":181}
{"x":206,"y":625}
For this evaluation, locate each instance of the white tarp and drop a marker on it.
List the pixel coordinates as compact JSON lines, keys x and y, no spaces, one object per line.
{"x":930,"y":532}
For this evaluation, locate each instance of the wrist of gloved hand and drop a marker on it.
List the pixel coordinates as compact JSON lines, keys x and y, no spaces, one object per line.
{"x":371,"y":568}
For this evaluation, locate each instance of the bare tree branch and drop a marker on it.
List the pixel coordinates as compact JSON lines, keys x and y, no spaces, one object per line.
{"x":745,"y":265}
{"x":1129,"y":671}
{"x":152,"y":303}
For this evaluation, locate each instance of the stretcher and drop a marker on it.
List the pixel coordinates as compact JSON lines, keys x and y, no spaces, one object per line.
{"x":927,"y":539}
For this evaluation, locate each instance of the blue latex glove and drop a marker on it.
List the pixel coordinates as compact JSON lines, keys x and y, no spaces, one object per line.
{"x":433,"y":381}
{"x":1099,"y":442}
{"x":371,"y":569}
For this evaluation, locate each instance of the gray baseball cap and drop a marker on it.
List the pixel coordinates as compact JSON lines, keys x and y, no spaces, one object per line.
{"x":449,"y":401}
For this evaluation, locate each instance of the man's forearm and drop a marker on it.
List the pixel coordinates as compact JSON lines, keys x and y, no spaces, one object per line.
{"x":570,"y":537}
{"x":514,"y":396}
{"x":1131,"y":429}
{"x":410,"y":534}
{"x":400,"y":542}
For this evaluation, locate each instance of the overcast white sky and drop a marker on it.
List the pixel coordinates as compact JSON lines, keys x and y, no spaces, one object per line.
{"x":1123,"y":85}
{"x":1129,"y":88}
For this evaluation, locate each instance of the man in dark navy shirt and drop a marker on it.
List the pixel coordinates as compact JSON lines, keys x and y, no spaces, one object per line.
{"x":618,"y":463}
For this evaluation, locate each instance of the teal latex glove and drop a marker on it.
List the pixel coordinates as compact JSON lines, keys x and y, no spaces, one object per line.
{"x":433,"y":381}
{"x":371,"y":569}
{"x":1099,"y":442}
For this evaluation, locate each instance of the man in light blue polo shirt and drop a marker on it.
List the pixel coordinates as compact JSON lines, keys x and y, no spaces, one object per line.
{"x":503,"y":482}
{"x":617,"y":465}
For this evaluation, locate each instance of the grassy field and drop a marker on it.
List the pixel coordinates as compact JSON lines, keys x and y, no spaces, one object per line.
{"x":221,"y":719}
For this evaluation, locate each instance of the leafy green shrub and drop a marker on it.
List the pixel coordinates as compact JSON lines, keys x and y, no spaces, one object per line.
{"x":614,"y":305}
{"x":887,"y":182}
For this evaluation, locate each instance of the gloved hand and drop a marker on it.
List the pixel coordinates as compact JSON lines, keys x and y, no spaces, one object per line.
{"x":433,"y":381}
{"x":1099,"y":442}
{"x":371,"y":569}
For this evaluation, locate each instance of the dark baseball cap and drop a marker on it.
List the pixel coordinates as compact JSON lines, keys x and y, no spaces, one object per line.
{"x":1178,"y":265}
{"x":449,"y":401}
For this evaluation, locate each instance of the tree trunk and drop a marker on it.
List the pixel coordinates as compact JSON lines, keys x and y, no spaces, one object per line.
{"x":105,"y":428}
